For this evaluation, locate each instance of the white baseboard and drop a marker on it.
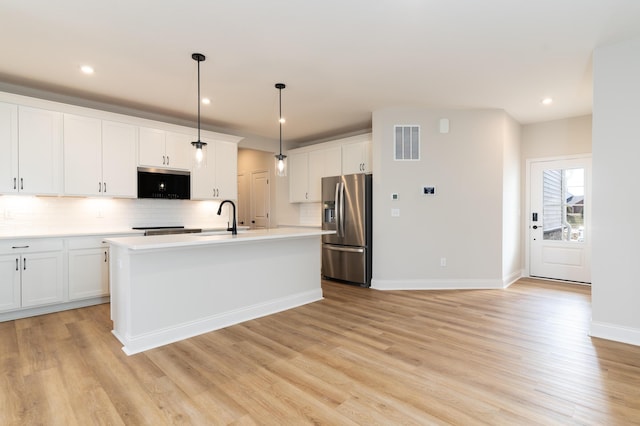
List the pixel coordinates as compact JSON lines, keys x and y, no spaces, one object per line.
{"x":512,"y":278}
{"x":49,"y":309}
{"x":615,"y":332}
{"x":448,"y":284}
{"x":143,"y":342}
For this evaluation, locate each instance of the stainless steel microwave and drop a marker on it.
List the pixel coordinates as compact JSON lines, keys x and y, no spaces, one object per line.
{"x":164,"y":184}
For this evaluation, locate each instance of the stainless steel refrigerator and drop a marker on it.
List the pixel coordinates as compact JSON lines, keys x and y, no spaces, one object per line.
{"x":346,"y":209}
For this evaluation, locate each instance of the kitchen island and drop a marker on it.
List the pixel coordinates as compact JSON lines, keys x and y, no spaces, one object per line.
{"x":171,"y":287}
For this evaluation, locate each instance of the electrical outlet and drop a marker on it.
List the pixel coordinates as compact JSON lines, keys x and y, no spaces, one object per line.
{"x":443,"y":262}
{"x":395,"y":212}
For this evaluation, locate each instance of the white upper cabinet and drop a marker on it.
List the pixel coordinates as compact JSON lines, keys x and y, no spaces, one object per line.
{"x":179,"y":150}
{"x":168,"y":150}
{"x":356,"y":157}
{"x":298,"y":176}
{"x":8,"y":148}
{"x":39,"y":151}
{"x":99,"y":157}
{"x":306,"y":170}
{"x":82,"y":155}
{"x":216,"y":177}
{"x":119,"y":172}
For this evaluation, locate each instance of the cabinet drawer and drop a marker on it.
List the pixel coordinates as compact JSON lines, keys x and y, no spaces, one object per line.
{"x":30,"y":245}
{"x":85,"y":243}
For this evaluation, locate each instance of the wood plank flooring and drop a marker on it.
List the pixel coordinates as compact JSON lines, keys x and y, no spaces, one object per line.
{"x":514,"y":357}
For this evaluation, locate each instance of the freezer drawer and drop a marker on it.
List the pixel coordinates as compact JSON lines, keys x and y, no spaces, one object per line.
{"x":345,"y":263}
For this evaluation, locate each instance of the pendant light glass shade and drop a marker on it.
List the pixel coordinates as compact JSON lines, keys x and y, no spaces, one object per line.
{"x":199,"y":57}
{"x":281,"y":159}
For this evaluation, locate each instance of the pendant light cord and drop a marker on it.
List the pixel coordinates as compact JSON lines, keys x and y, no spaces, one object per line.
{"x":198,"y":100}
{"x":280,"y":120}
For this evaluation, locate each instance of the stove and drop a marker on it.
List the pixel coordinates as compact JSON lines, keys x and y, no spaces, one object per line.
{"x":166,"y":230}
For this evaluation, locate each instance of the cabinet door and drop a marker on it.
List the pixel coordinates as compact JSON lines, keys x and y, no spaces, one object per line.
{"x":179,"y":151}
{"x":227,"y":170}
{"x":203,"y":176}
{"x":119,"y":177}
{"x":8,"y":148}
{"x":9,"y":282}
{"x":82,"y":155}
{"x":88,"y":273}
{"x":332,"y":161}
{"x":151,"y":147}
{"x":39,"y":146}
{"x":314,"y":178}
{"x":41,"y":278}
{"x":356,"y":157}
{"x":298,"y":177}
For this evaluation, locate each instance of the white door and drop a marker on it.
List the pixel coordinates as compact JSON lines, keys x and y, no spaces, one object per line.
{"x":243,"y":199}
{"x":560,"y":219}
{"x":260,"y":203}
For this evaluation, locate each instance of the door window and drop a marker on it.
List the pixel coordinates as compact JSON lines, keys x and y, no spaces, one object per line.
{"x":563,"y":204}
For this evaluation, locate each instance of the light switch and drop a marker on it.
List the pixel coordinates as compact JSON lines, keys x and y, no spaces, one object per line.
{"x":395,"y":212}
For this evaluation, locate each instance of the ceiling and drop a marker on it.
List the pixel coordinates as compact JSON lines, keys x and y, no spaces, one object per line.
{"x":340,"y":59}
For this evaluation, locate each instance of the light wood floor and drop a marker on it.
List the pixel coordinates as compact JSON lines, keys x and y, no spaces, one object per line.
{"x":515,"y":356}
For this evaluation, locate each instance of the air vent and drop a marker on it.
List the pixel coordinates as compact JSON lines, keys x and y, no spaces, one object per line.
{"x":407,"y":142}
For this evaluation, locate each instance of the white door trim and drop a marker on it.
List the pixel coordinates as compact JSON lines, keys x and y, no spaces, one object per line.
{"x":527,"y":202}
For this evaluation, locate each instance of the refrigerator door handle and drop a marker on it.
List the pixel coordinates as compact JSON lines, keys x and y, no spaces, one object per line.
{"x":345,"y":249}
{"x":338,"y":215}
{"x":342,"y":225}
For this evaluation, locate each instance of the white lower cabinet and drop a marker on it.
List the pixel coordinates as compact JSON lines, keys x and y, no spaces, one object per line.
{"x":9,"y":282}
{"x":88,"y":268}
{"x":31,"y":274}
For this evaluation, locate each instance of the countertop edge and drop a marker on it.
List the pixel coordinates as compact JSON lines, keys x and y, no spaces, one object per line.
{"x":195,"y":240}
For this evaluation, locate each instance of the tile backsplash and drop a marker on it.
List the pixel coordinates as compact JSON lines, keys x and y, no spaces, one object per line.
{"x":24,"y":213}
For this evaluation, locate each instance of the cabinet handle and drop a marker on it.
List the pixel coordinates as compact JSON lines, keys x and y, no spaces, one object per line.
{"x":19,"y":247}
{"x":17,"y":268}
{"x":167,"y":160}
{"x":24,"y":264}
{"x":104,"y":185}
{"x":105,"y":257}
{"x":99,"y":186}
{"x":15,"y":183}
{"x":163,"y":163}
{"x":21,"y":183}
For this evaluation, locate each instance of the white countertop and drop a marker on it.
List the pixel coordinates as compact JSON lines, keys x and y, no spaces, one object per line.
{"x":185,"y":240}
{"x":12,"y":234}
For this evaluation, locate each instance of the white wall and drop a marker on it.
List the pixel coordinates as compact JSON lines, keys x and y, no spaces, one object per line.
{"x":463,"y":222}
{"x":511,"y":202}
{"x":616,"y":149}
{"x":556,"y":138}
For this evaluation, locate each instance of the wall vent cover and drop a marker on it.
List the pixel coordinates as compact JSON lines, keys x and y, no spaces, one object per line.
{"x":406,"y":142}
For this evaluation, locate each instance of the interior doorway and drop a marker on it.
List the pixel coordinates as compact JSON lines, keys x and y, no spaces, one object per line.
{"x":559,"y":219}
{"x":260,"y":200}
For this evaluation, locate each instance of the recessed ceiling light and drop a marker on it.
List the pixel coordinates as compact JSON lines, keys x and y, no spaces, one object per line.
{"x":547,"y":101}
{"x":87,"y":69}
{"x":206,"y":101}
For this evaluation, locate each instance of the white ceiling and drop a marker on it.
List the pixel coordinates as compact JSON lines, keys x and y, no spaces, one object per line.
{"x":340,"y":59}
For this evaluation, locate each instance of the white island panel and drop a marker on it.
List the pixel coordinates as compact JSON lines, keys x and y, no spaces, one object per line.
{"x":167,"y":289}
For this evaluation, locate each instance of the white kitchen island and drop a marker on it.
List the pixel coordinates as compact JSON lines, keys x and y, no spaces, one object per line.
{"x":170,"y":287}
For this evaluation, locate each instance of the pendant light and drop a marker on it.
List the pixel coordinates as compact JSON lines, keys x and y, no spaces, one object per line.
{"x":198,"y":57}
{"x":281,"y":160}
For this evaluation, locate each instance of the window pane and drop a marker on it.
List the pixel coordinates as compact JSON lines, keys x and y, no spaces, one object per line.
{"x":563,"y":205}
